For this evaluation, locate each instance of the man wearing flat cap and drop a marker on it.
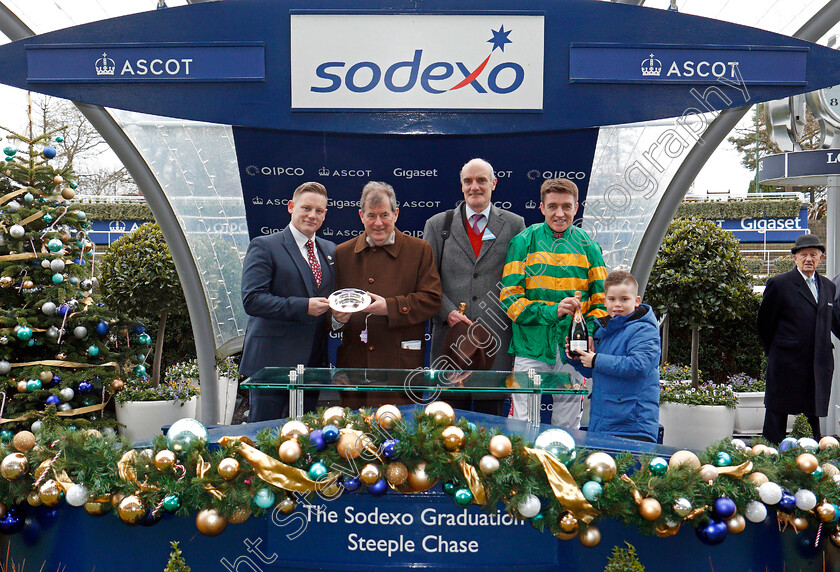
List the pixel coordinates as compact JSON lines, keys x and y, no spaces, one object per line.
{"x":795,"y":321}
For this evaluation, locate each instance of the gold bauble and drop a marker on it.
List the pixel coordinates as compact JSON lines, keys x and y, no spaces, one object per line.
{"x":602,"y":467}
{"x":23,"y":441}
{"x":290,"y":451}
{"x":99,"y":506}
{"x":209,"y":522}
{"x":396,"y":473}
{"x":736,"y":524}
{"x":2,"y":510}
{"x":228,"y":468}
{"x":369,"y":474}
{"x":45,"y":376}
{"x":349,"y":446}
{"x":333,"y":415}
{"x":240,"y":515}
{"x":757,"y":479}
{"x":760,"y":448}
{"x":117,"y":384}
{"x":14,"y":466}
{"x":131,"y":509}
{"x":500,"y":446}
{"x":708,"y":473}
{"x":453,"y":438}
{"x":67,"y":193}
{"x":93,"y":434}
{"x":388,"y":416}
{"x":61,"y":356}
{"x":33,"y":498}
{"x":825,"y":511}
{"x":488,"y":464}
{"x":28,"y":284}
{"x":328,"y":489}
{"x":828,"y":441}
{"x":566,"y":535}
{"x":590,"y":536}
{"x":684,"y":458}
{"x":834,"y":537}
{"x":58,"y":179}
{"x":442,"y":412}
{"x":807,"y":463}
{"x":650,"y":509}
{"x":829,"y":470}
{"x":293,"y":429}
{"x":21,"y":386}
{"x":287,"y":505}
{"x":418,"y":480}
{"x":799,"y":523}
{"x":568,"y":523}
{"x":117,"y":498}
{"x":164,"y":460}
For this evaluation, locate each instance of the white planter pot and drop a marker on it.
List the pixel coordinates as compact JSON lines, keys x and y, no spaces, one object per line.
{"x":227,"y":402}
{"x":143,"y":419}
{"x":749,"y":415}
{"x":695,"y":426}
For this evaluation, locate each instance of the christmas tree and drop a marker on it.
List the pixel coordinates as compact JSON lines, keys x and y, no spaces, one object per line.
{"x":59,"y":347}
{"x":176,"y":560}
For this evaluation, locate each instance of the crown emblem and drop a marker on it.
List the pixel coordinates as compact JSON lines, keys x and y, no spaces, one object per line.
{"x":324,"y":172}
{"x":327,"y":232}
{"x":257,"y":201}
{"x":651,"y":67}
{"x":116,"y":226}
{"x":530,"y":205}
{"x":105,"y":65}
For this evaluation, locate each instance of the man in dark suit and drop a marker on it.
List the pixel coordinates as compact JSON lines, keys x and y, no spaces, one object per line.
{"x":795,"y":321}
{"x":471,"y":260}
{"x":286,"y":278}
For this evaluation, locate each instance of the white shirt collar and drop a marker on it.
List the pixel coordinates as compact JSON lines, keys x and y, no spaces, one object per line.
{"x":805,"y":276}
{"x":300,"y":238}
{"x":485,"y":212}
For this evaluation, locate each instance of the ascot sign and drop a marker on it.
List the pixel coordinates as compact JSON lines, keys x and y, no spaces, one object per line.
{"x":417,"y":61}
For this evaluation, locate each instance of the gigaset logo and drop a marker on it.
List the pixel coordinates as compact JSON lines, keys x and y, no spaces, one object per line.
{"x":436,"y":77}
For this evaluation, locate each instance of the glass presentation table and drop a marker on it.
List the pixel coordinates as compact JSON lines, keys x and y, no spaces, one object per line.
{"x":420,"y":385}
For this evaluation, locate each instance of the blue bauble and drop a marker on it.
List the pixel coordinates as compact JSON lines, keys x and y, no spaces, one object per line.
{"x":48,"y":152}
{"x":389,"y":449}
{"x":53,"y":400}
{"x":352,"y":484}
{"x":150,"y":520}
{"x":330,"y":433}
{"x":317,"y":440}
{"x":63,"y":309}
{"x":85,"y":387}
{"x":724,"y":508}
{"x":787,"y":444}
{"x":102,"y":328}
{"x":788,"y":502}
{"x":378,"y":488}
{"x":139,"y":328}
{"x":712,"y":533}
{"x":318,"y":471}
{"x":264,"y":498}
{"x":592,"y":490}
{"x":13,"y":521}
{"x":723,"y":459}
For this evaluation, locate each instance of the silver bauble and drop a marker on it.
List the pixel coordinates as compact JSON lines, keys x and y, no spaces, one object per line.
{"x":45,"y":263}
{"x":17,"y":231}
{"x":4,"y":340}
{"x":48,"y":308}
{"x":77,"y":495}
{"x":66,"y":393}
{"x":682,"y":506}
{"x":87,"y":285}
{"x":57,"y":265}
{"x":13,"y":206}
{"x":5,"y":367}
{"x":65,"y":407}
{"x":80,"y":332}
{"x":52,"y":333}
{"x":36,"y":426}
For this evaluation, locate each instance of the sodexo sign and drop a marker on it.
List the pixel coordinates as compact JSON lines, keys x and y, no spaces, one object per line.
{"x":426,"y":61}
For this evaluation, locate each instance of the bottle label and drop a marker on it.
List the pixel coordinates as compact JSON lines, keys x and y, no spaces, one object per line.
{"x":578,"y":346}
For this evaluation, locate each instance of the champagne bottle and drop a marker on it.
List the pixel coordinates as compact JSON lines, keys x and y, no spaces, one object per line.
{"x":578,"y":335}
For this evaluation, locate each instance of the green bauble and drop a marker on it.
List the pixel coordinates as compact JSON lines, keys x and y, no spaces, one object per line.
{"x":140,"y":370}
{"x":171,"y":502}
{"x":33,"y":385}
{"x":537,"y":519}
{"x":24,"y":334}
{"x":144,"y":339}
{"x":463,"y":498}
{"x":450,"y":488}
{"x":658,"y":466}
{"x":184,"y":433}
{"x":318,"y":471}
{"x":6,"y":435}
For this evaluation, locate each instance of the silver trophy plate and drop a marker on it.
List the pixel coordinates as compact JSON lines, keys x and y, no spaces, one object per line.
{"x":349,"y":300}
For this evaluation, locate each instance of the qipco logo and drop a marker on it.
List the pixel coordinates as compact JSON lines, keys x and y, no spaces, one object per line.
{"x":417,"y":61}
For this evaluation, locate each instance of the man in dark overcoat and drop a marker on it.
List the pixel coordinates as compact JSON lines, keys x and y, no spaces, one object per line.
{"x":795,"y":321}
{"x":399,"y":273}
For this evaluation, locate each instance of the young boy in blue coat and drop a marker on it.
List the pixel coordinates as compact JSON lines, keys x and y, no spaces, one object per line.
{"x":625,"y":364}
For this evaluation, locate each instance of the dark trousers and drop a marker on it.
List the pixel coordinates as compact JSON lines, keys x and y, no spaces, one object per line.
{"x":267,"y":404}
{"x":775,"y":426}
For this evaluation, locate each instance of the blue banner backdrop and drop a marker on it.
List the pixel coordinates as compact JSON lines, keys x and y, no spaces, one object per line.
{"x":764,"y":229}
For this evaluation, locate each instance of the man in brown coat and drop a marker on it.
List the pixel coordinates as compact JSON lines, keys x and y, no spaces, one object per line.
{"x":400,"y":274}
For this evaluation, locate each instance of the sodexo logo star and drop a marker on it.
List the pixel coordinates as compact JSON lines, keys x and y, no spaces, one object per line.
{"x":422,"y":62}
{"x":364,"y":76}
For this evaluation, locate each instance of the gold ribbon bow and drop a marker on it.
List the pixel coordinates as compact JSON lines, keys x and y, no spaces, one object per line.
{"x":271,"y":470}
{"x":474,"y":482}
{"x":738,"y":471}
{"x":203,"y":467}
{"x":127,"y":471}
{"x":564,"y":486}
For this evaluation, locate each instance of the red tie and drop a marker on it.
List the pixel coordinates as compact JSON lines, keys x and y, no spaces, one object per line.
{"x":313,"y":261}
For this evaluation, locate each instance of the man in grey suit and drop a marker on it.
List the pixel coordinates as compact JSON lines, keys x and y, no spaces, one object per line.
{"x":470,"y":244}
{"x":286,"y":278}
